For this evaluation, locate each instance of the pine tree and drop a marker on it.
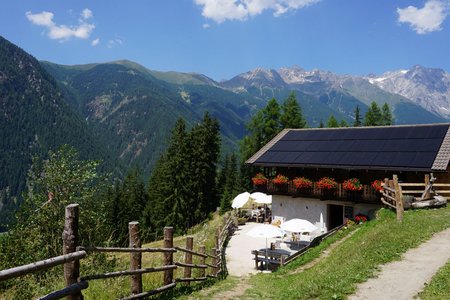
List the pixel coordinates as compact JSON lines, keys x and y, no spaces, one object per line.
{"x":271,"y":119}
{"x":386,"y":115}
{"x":168,"y":189}
{"x":229,"y":182}
{"x":205,"y":150}
{"x":255,"y":138}
{"x":343,"y":123}
{"x":357,"y":122}
{"x":321,"y":124}
{"x":292,"y":113}
{"x":373,"y":116}
{"x":131,"y":198}
{"x":332,"y":122}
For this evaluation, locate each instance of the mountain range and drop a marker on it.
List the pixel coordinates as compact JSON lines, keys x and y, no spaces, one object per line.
{"x":123,"y":113}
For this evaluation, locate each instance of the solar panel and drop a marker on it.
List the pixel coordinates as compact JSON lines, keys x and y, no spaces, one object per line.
{"x":389,"y":147}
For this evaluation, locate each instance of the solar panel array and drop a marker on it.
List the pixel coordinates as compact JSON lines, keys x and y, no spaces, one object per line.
{"x":408,"y":147}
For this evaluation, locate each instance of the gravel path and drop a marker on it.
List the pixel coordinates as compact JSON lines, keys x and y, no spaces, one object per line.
{"x":404,"y":279}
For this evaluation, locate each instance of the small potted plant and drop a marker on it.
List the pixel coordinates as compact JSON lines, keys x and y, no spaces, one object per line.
{"x":303,"y":185}
{"x":328,"y":186}
{"x":354,"y":189}
{"x":260,"y":182}
{"x":360,"y":219}
{"x":280,"y":183}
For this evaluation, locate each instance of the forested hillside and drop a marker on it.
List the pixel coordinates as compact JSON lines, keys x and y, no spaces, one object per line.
{"x":34,"y":117}
{"x":133,"y":112}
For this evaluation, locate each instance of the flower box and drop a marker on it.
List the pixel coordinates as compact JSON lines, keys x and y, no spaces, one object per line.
{"x":259,"y":179}
{"x":327,"y":194}
{"x":354,"y":196}
{"x":352,"y":184}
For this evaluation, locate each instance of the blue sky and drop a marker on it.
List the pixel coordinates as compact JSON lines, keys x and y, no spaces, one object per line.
{"x":222,"y":38}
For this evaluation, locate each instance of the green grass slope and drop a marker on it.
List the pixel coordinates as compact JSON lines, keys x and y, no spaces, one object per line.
{"x":355,"y":260}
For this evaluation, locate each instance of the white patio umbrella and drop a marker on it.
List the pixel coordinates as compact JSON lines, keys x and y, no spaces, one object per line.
{"x":261,"y":198}
{"x":240,"y":200}
{"x":298,"y":225}
{"x":265,"y":231}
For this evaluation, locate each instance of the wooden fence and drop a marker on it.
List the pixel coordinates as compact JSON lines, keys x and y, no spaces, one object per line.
{"x":394,"y":191}
{"x":72,"y":254}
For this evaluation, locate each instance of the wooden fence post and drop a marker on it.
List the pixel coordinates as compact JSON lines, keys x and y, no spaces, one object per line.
{"x":70,"y":241}
{"x":217,"y":239}
{"x":168,"y":256}
{"x":427,"y":182}
{"x":214,"y":261}
{"x":135,"y":257}
{"x":188,"y":257}
{"x":399,"y":199}
{"x":202,"y":260}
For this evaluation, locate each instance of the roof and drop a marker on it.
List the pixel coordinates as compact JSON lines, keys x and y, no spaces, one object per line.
{"x":403,"y":147}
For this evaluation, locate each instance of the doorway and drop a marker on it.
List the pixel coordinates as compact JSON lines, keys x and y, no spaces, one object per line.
{"x":335,"y":216}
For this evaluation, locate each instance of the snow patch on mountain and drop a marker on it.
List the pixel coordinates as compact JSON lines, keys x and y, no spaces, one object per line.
{"x":427,"y":87}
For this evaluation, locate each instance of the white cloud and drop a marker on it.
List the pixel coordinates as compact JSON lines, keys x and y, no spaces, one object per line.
{"x":426,"y":19}
{"x":114,"y":42}
{"x":95,"y":42}
{"x":63,"y":32}
{"x":86,"y":14}
{"x":43,"y":19}
{"x":222,"y":10}
{"x":206,"y":25}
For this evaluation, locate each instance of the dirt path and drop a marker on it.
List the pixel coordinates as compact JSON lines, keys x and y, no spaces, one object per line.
{"x":236,"y":292}
{"x":404,"y":279}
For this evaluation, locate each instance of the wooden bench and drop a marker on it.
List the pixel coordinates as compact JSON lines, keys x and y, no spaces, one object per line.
{"x":273,"y":257}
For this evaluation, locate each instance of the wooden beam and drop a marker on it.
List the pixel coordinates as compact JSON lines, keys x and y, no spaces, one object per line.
{"x":188,"y":258}
{"x":168,"y":257}
{"x":70,"y":241}
{"x":128,"y":272}
{"x":427,"y":182}
{"x":191,"y":251}
{"x":399,"y":199}
{"x":135,"y":257}
{"x":41,"y":265}
{"x":118,"y":249}
{"x":71,"y":289}
{"x":152,"y":292}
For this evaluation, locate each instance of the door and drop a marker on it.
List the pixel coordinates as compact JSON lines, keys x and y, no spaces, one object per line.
{"x":335,"y":216}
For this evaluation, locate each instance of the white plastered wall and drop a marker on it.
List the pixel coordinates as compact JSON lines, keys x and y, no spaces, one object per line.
{"x":310,"y":208}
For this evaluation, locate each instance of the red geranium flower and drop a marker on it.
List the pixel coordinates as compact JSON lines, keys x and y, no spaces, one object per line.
{"x":302,"y":183}
{"x":327,"y":183}
{"x":280,"y":179}
{"x":352,"y":184}
{"x":259,"y":179}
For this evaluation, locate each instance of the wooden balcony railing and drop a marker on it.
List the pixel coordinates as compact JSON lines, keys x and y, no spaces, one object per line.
{"x":366,"y":195}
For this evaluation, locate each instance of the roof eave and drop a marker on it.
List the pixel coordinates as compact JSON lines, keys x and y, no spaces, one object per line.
{"x":346,"y":167}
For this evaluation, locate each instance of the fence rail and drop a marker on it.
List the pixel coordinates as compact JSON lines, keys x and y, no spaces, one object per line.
{"x":73,"y":253}
{"x":402,"y":195}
